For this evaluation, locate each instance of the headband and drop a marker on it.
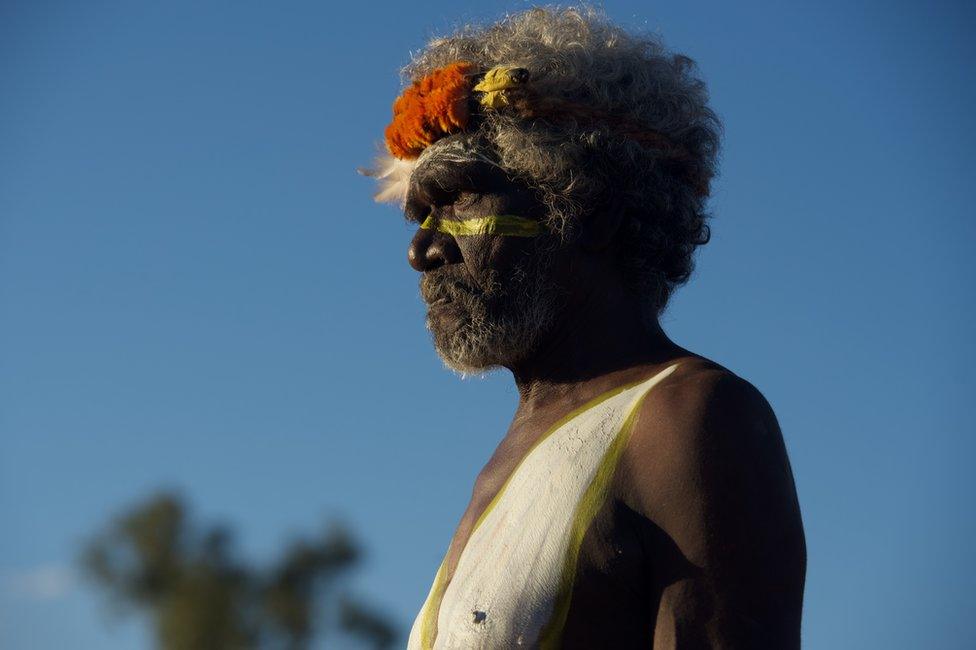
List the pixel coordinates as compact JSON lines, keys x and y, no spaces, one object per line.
{"x":448,"y":99}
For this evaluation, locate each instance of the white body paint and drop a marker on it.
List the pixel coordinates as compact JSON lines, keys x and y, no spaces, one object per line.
{"x":512,"y":564}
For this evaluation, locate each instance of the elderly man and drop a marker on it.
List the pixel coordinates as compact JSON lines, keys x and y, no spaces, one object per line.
{"x":558,"y":168}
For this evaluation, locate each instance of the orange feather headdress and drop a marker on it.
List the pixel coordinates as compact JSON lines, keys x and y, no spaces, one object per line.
{"x":431,"y":108}
{"x":441,"y":103}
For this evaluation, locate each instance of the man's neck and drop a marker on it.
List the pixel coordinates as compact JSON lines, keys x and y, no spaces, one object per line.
{"x":595,"y":341}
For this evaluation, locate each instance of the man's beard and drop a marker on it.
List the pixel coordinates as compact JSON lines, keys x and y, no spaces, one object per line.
{"x":498,"y":321}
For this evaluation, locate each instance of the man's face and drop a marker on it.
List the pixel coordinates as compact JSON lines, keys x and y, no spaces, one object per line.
{"x":490,"y":298}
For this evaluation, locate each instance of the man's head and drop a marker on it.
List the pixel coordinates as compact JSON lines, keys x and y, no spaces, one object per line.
{"x":490,"y":296}
{"x":560,"y":117}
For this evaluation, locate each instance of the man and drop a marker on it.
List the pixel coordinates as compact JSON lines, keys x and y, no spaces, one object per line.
{"x":558,"y":169}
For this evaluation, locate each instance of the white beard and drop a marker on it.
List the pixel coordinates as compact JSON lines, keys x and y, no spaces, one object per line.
{"x":484,"y":340}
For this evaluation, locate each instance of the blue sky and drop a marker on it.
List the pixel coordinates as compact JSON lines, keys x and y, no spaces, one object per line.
{"x":197,"y":292}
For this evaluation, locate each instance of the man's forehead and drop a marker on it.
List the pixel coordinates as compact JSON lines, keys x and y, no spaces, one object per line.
{"x":456,"y":152}
{"x":454,"y":166}
{"x":453,"y":169}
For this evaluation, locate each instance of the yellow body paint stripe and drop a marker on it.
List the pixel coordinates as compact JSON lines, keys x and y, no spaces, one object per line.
{"x":428,"y":630}
{"x":593,"y":499}
{"x":563,"y":420}
{"x":504,"y":224}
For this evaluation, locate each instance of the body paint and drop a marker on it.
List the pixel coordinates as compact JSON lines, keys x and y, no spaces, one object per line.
{"x":506,"y":225}
{"x":512,"y":584}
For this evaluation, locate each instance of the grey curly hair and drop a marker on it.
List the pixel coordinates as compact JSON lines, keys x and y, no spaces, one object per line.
{"x":580,"y":166}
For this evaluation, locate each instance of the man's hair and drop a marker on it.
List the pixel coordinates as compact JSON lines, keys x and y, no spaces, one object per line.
{"x":584,"y":165}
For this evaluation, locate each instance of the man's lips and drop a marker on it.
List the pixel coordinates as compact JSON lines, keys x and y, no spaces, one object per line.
{"x":441,"y":291}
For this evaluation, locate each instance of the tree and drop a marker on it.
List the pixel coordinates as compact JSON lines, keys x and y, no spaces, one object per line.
{"x":199,"y":596}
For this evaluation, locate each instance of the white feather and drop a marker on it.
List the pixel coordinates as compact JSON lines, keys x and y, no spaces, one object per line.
{"x":393,"y":174}
{"x":393,"y":177}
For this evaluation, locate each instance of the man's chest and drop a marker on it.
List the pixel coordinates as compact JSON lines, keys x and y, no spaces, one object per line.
{"x":549,"y":536}
{"x":609,"y":587}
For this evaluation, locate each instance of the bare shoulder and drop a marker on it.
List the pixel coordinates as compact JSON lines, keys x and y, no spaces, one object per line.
{"x":700,"y":392}
{"x":707,"y":467}
{"x":705,"y":436}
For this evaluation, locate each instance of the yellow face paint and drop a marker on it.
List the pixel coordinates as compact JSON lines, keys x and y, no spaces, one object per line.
{"x":506,"y":225}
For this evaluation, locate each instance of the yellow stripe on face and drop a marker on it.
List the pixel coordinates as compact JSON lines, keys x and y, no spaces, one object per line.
{"x":506,"y":225}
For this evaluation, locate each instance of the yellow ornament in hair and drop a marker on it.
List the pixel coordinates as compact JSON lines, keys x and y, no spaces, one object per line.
{"x":496,"y":81}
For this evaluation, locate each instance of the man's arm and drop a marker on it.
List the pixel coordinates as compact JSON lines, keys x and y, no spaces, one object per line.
{"x":709,"y":469}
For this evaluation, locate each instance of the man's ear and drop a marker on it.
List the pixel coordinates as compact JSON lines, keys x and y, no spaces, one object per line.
{"x":602,"y":224}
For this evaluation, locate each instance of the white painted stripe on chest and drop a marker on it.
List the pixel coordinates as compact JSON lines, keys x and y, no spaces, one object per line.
{"x":505,"y":588}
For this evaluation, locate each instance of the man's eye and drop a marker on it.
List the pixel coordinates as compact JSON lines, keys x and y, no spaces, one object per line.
{"x":465,"y":199}
{"x":439,"y":197}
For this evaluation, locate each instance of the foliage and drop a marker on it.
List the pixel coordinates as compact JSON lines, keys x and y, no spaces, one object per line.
{"x":201,"y":597}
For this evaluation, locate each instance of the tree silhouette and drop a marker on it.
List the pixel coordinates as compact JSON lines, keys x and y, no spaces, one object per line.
{"x":200,"y":597}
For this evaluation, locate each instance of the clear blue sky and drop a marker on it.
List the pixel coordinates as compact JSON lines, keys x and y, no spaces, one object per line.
{"x":196,"y":291}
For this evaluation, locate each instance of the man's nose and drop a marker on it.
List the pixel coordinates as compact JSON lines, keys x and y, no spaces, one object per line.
{"x":431,"y":249}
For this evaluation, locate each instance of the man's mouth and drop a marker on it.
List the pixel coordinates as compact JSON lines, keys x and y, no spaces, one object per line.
{"x":440,"y":291}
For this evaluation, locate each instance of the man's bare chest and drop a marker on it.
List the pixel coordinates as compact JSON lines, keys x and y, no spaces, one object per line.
{"x":612,"y":564}
{"x":549,"y":536}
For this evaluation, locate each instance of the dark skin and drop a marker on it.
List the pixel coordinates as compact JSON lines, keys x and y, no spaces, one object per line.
{"x":700,"y":544}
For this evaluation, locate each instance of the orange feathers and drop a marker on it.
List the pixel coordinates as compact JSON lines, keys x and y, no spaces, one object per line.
{"x":434,"y":106}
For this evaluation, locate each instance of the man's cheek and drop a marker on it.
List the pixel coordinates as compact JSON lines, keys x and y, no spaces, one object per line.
{"x":478,"y":259}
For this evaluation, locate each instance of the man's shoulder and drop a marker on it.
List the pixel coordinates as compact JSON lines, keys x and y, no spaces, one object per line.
{"x":705,"y":436}
{"x":702,"y":402}
{"x":706,"y":465}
